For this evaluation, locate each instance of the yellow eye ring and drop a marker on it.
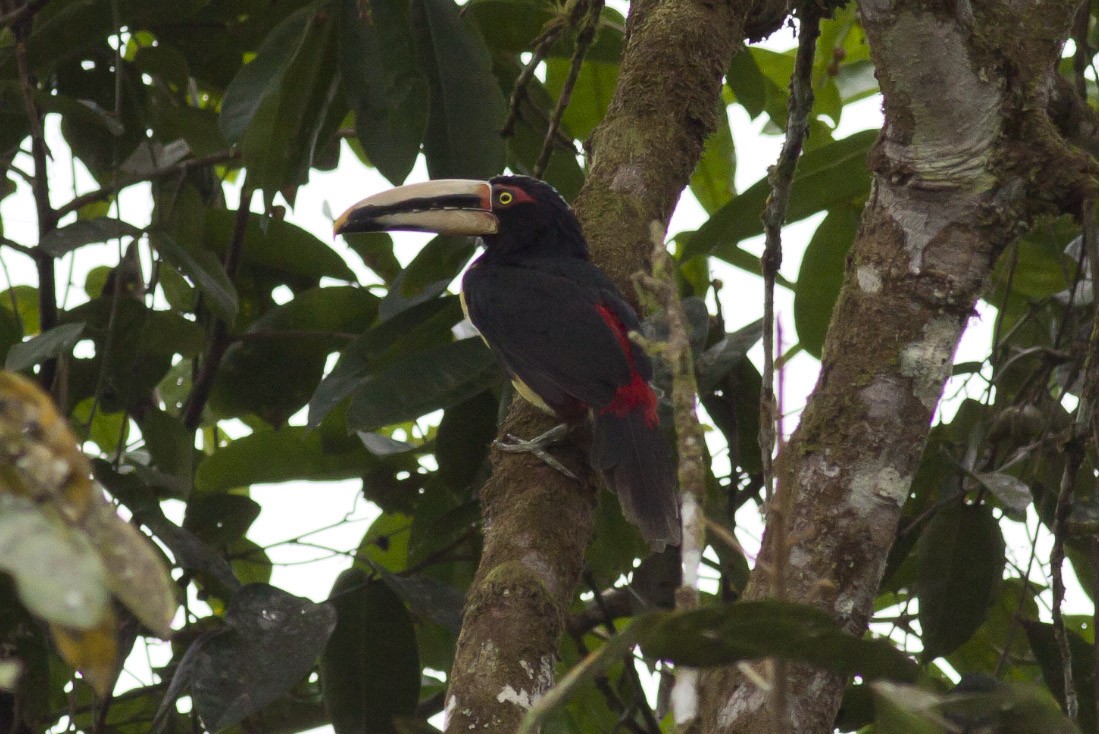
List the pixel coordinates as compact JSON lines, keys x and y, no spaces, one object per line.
{"x":505,"y":198}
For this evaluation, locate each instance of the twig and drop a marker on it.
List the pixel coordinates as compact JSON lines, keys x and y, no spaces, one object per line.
{"x":781,"y":177}
{"x":549,"y":35}
{"x":221,"y":156}
{"x":585,"y":33}
{"x":652,"y":726}
{"x":47,"y":218}
{"x":218,"y":341}
{"x":25,"y":11}
{"x":676,"y":351}
{"x":1083,"y":425}
{"x":1082,"y":57}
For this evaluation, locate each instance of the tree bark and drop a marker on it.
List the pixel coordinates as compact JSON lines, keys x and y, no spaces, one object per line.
{"x":537,"y":522}
{"x":967,"y":157}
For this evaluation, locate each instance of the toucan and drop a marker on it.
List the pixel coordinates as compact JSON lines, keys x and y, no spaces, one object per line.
{"x":557,"y":324}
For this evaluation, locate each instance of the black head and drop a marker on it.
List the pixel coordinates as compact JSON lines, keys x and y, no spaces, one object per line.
{"x":533,"y":221}
{"x":516,"y":216}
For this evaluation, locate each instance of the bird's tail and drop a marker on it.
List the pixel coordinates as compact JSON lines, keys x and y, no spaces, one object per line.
{"x":633,"y":457}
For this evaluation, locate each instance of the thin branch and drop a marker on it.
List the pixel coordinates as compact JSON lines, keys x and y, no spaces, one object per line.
{"x":47,"y":218}
{"x":781,"y":177}
{"x":549,"y":35}
{"x":676,"y":351}
{"x":218,"y":341}
{"x":1082,"y":58}
{"x":1083,"y":425}
{"x":221,"y":156}
{"x":585,"y":33}
{"x":23,"y":12}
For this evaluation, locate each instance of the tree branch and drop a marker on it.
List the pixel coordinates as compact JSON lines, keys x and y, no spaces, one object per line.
{"x":218,"y":340}
{"x":954,"y":150}
{"x":23,"y":12}
{"x":538,"y":522}
{"x":40,"y":186}
{"x":585,"y":33}
{"x":781,"y":177}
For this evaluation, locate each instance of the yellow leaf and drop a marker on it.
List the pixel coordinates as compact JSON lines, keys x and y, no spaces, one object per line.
{"x":94,"y":652}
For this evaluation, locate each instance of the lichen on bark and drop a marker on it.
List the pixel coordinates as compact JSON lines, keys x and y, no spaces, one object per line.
{"x":966,"y":158}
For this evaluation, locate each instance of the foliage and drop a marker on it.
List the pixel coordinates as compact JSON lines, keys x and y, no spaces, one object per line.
{"x":208,"y":317}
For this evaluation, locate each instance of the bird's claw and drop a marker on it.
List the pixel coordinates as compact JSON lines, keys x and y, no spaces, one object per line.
{"x":537,"y":446}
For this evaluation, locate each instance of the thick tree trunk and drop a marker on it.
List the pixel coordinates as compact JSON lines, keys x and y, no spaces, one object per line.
{"x":537,"y":522}
{"x":967,"y":157}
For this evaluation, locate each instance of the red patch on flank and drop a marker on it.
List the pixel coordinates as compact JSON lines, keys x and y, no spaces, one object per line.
{"x":637,"y":394}
{"x":618,"y":328}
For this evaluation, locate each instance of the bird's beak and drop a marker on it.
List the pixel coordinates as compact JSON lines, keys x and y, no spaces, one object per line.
{"x":447,"y":206}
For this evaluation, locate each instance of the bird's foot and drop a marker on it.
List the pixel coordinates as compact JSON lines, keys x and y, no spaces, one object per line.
{"x":538,"y":446}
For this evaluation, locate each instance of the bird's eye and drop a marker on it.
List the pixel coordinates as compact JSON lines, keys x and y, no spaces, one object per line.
{"x":505,"y":198}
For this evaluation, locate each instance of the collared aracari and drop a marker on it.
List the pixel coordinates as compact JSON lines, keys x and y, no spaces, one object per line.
{"x":557,"y":324}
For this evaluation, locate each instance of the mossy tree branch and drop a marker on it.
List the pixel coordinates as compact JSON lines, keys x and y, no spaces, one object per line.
{"x":965,"y":161}
{"x":537,"y":521}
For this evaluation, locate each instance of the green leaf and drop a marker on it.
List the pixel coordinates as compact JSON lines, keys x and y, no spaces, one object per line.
{"x":294,"y":452}
{"x":830,"y":175}
{"x":747,"y":82}
{"x":961,"y":563}
{"x":714,"y":180}
{"x":383,"y":84}
{"x":107,"y":430}
{"x":1039,"y":266}
{"x":440,"y":260}
{"x":717,"y":361}
{"x":723,"y":635}
{"x":276,"y":245}
{"x":269,"y":642}
{"x":370,"y":669}
{"x":82,"y":232}
{"x":220,"y":518}
{"x":467,"y":107}
{"x":64,"y":29}
{"x":511,"y":26}
{"x":274,"y":373}
{"x":591,"y":94}
{"x":905,"y":710}
{"x":409,"y":387}
{"x":376,"y":251}
{"x":428,"y":598}
{"x":385,"y":544}
{"x":977,"y":704}
{"x":57,"y":573}
{"x":463,"y":438}
{"x":206,"y":271}
{"x":260,"y":78}
{"x":726,"y":634}
{"x":821,"y":276}
{"x":1044,"y":644}
{"x":1012,"y":493}
{"x":279,"y":145}
{"x":408,"y":331}
{"x":55,"y":342}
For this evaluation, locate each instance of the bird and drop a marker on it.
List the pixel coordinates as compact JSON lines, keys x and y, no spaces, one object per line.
{"x":557,"y":324}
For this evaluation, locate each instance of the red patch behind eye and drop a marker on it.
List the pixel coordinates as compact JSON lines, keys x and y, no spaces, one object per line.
{"x":521,"y":196}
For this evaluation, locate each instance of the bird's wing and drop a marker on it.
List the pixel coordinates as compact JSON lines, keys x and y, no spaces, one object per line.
{"x":547,"y":330}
